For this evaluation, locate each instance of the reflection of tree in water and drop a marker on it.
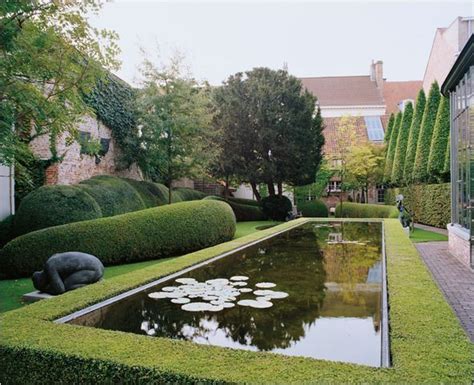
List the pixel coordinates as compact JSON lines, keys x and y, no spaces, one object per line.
{"x":292,"y":262}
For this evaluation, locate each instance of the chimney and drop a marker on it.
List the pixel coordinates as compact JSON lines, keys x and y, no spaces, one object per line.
{"x":376,"y":73}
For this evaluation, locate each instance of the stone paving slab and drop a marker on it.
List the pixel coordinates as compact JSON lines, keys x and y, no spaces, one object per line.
{"x":455,"y":280}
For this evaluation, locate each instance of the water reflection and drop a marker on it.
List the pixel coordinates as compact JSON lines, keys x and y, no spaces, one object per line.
{"x":332,"y":311}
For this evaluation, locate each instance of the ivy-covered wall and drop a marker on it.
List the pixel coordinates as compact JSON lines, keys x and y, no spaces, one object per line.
{"x":428,"y":204}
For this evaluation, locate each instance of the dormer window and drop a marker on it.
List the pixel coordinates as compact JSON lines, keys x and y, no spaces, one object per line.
{"x":374,"y":128}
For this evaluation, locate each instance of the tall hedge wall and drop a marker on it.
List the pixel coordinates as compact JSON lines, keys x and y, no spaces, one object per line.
{"x":142,"y":235}
{"x":364,"y":210}
{"x":429,"y":204}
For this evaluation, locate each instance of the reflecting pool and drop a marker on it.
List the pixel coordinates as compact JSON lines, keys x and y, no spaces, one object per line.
{"x":331,"y":273}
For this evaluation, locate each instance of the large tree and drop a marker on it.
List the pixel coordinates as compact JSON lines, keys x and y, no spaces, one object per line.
{"x":420,"y":170}
{"x":270,"y":130}
{"x":50,"y":56}
{"x":388,"y":131}
{"x":439,"y":143}
{"x":401,"y":148}
{"x":390,"y":151}
{"x":413,"y":137}
{"x":174,"y":120}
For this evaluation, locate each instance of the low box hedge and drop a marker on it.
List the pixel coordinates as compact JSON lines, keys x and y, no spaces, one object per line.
{"x":243,"y":212}
{"x":147,"y":234}
{"x":314,"y":208}
{"x":364,"y":210}
{"x":427,"y":342}
{"x":428,"y":204}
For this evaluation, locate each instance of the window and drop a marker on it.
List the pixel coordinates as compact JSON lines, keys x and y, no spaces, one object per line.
{"x":380,"y":194}
{"x":334,"y":186}
{"x":374,"y":128}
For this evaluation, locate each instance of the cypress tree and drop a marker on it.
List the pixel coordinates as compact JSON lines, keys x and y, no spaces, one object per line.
{"x":391,"y":149}
{"x":447,"y":161}
{"x":420,"y":171}
{"x":388,"y":131}
{"x":439,"y":142}
{"x":413,"y":137}
{"x":401,"y":148}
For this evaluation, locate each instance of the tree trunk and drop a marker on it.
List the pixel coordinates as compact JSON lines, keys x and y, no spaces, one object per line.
{"x":280,"y":189}
{"x":255,"y":191}
{"x":271,"y":189}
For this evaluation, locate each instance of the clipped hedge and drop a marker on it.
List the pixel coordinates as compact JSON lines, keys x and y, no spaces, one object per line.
{"x":242,"y":212}
{"x":362,"y":210}
{"x":276,"y":207}
{"x":147,"y":234}
{"x":428,"y":204}
{"x":314,"y":208}
{"x":6,"y":230}
{"x":114,"y":195}
{"x":424,"y":348}
{"x":243,"y":201}
{"x":152,"y":194}
{"x":188,"y":194}
{"x":52,"y":206}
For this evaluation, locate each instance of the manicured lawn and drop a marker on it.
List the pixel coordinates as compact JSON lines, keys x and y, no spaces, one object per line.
{"x":12,"y":290}
{"x":420,"y":235}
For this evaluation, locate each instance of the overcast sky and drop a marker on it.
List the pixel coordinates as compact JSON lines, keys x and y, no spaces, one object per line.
{"x":314,"y":38}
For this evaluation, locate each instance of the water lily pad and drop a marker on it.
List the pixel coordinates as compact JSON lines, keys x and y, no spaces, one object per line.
{"x":169,"y":288}
{"x":217,"y":281}
{"x":158,"y":295}
{"x":186,"y":280}
{"x":271,"y":293}
{"x":239,"y":283}
{"x":228,"y":304}
{"x":239,"y":278}
{"x":245,"y":290}
{"x":181,"y":300}
{"x":255,"y":304}
{"x":196,"y":306}
{"x":265,"y":285}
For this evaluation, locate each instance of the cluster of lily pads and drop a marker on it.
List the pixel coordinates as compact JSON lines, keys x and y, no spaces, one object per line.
{"x":218,"y":294}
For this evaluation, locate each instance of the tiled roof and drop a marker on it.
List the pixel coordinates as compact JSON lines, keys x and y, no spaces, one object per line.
{"x":394,"y":92}
{"x":344,"y":90}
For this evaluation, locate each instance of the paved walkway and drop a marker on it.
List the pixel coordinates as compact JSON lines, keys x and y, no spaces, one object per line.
{"x":431,"y":228}
{"x":454,"y":279}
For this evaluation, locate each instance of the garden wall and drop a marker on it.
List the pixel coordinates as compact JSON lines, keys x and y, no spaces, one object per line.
{"x":428,"y":204}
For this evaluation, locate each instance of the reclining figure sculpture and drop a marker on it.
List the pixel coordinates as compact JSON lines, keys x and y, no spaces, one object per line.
{"x":68,"y":271}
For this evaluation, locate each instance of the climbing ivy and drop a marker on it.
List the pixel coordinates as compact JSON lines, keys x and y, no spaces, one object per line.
{"x":113,"y":101}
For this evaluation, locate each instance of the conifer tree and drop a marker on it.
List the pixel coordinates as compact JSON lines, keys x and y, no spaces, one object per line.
{"x":420,"y":171}
{"x":413,"y":137}
{"x":388,"y":131}
{"x":401,"y":147}
{"x":391,"y":149}
{"x":447,"y":161}
{"x":439,"y":142}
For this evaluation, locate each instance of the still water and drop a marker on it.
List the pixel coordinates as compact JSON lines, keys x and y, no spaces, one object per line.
{"x":331,"y":273}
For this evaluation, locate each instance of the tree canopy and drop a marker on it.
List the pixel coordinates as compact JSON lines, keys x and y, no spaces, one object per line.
{"x":439,"y":143}
{"x":401,"y":147}
{"x":392,"y":145}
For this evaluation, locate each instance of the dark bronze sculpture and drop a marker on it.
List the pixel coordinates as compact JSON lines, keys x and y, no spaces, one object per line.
{"x":68,"y":271}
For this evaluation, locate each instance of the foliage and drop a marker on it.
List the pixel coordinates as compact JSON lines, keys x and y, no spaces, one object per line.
{"x":6,"y":230}
{"x":364,"y":210}
{"x":154,"y":233}
{"x":50,"y":56}
{"x":114,"y":195}
{"x":390,"y":155}
{"x":436,"y":160}
{"x":420,"y":170}
{"x":174,"y":117}
{"x":152,"y":194}
{"x":243,"y":212}
{"x":52,"y":206}
{"x":447,"y":158}
{"x":314,"y":208}
{"x":114,"y":103}
{"x":413,"y":137}
{"x":364,"y":167}
{"x":244,"y":201}
{"x":276,"y":207}
{"x":424,"y":349}
{"x":268,"y":130}
{"x":318,"y":188}
{"x":427,"y":204}
{"x":90,"y":146}
{"x":188,"y":194}
{"x":388,"y":132}
{"x":401,"y":147}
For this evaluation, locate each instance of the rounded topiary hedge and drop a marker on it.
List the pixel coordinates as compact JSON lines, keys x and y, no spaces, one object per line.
{"x":152,"y":194}
{"x":6,"y":230}
{"x":243,"y":212}
{"x":52,"y":206}
{"x":114,"y":195}
{"x":276,"y":207}
{"x":314,"y":209}
{"x":143,"y":235}
{"x":364,"y":210}
{"x":188,"y":194}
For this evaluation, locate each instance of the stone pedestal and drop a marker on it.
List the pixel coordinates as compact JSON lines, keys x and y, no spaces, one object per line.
{"x":460,"y":244}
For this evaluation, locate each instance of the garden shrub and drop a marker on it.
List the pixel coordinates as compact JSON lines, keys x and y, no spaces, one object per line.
{"x":244,"y":201}
{"x":114,"y":195}
{"x":428,"y":204}
{"x":142,"y":235}
{"x":54,"y":205}
{"x":314,"y":208}
{"x":152,"y":194}
{"x":188,"y":194}
{"x":363,"y":210}
{"x":6,"y":230}
{"x":276,"y":207}
{"x":243,"y":212}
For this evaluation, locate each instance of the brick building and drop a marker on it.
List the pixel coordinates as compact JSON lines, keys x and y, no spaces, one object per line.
{"x":370,"y":99}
